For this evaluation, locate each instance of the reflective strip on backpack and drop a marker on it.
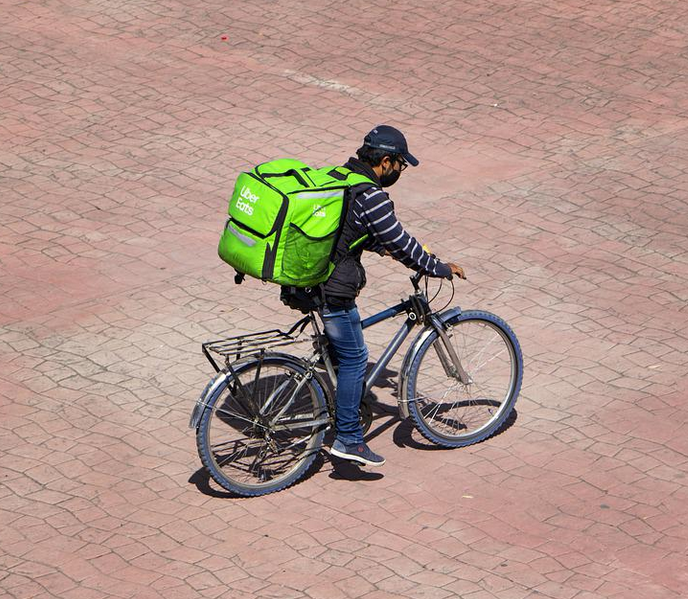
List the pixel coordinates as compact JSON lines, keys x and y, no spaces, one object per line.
{"x":319,"y":195}
{"x":247,"y":240}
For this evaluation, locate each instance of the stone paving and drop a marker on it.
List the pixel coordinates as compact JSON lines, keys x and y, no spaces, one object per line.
{"x":553,"y":139}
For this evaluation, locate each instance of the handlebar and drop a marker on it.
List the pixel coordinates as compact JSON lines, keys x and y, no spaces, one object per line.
{"x":418,"y":276}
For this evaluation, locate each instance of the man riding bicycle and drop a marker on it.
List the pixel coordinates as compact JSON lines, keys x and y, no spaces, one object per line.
{"x":382,"y":158}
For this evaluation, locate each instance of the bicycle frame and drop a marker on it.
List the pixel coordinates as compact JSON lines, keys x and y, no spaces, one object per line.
{"x":390,"y":350}
{"x":418,"y":311}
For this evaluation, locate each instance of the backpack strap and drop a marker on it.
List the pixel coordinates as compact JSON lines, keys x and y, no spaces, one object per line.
{"x":336,"y":173}
{"x":352,"y":179}
{"x":342,"y":173}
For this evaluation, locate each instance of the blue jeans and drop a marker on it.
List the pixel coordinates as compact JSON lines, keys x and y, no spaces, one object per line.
{"x":344,"y":332}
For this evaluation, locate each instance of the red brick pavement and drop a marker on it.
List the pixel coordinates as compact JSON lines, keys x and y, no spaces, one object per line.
{"x":553,"y":140}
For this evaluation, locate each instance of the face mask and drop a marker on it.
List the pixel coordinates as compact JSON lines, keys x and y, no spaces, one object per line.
{"x":390,"y":179}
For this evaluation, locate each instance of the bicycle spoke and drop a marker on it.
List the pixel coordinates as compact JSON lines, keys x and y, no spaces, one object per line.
{"x":434,"y":413}
{"x":258,"y":459}
{"x":224,"y":411}
{"x":450,"y":411}
{"x":282,"y":460}
{"x":480,"y":353}
{"x":245,"y":448}
{"x":232,"y":457}
{"x":478,"y":368}
{"x":216,"y":447}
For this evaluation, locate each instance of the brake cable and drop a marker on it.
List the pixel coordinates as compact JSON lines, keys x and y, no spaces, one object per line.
{"x":453,"y":287}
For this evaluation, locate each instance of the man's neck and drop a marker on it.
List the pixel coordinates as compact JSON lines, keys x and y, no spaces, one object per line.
{"x":363,"y":168}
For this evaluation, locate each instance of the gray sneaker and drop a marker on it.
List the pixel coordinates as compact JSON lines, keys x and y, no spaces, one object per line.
{"x":358,"y":453}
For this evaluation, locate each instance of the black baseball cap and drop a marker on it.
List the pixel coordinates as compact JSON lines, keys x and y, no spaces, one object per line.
{"x":388,"y":138}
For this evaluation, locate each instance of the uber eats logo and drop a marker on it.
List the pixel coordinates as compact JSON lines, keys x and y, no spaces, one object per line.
{"x":246,"y":200}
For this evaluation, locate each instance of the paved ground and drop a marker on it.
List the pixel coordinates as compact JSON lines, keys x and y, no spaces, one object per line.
{"x":553,"y":140}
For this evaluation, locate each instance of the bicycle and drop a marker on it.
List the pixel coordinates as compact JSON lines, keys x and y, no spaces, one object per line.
{"x":260,"y":422}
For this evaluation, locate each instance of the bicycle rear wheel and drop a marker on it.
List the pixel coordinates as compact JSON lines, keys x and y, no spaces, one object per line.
{"x":449,"y":412}
{"x":262,"y":429}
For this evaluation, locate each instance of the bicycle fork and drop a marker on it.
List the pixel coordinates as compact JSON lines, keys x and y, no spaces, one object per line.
{"x":452,"y":365}
{"x":449,"y":359}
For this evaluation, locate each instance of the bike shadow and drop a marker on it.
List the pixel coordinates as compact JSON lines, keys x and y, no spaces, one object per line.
{"x":384,"y":418}
{"x":341,"y":470}
{"x":386,"y":379}
{"x":201,"y":479}
{"x":403,"y":435}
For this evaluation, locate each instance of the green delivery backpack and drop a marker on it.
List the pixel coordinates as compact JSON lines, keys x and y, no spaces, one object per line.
{"x":284,"y":221}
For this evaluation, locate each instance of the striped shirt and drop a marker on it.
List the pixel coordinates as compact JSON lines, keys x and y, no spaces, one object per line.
{"x":373,"y":210}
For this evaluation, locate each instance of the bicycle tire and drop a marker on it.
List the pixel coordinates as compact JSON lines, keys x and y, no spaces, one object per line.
{"x":464,"y":419}
{"x":264,"y":458}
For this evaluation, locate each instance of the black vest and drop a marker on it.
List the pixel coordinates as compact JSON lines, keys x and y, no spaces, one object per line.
{"x":348,"y":277}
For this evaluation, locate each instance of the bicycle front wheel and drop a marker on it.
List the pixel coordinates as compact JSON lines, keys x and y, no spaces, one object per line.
{"x":263,"y":428}
{"x":449,"y":412}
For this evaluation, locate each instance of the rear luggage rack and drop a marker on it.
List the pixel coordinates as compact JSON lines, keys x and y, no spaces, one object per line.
{"x":235,"y":348}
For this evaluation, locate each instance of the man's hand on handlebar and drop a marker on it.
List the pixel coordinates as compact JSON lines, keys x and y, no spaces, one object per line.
{"x":456,"y":270}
